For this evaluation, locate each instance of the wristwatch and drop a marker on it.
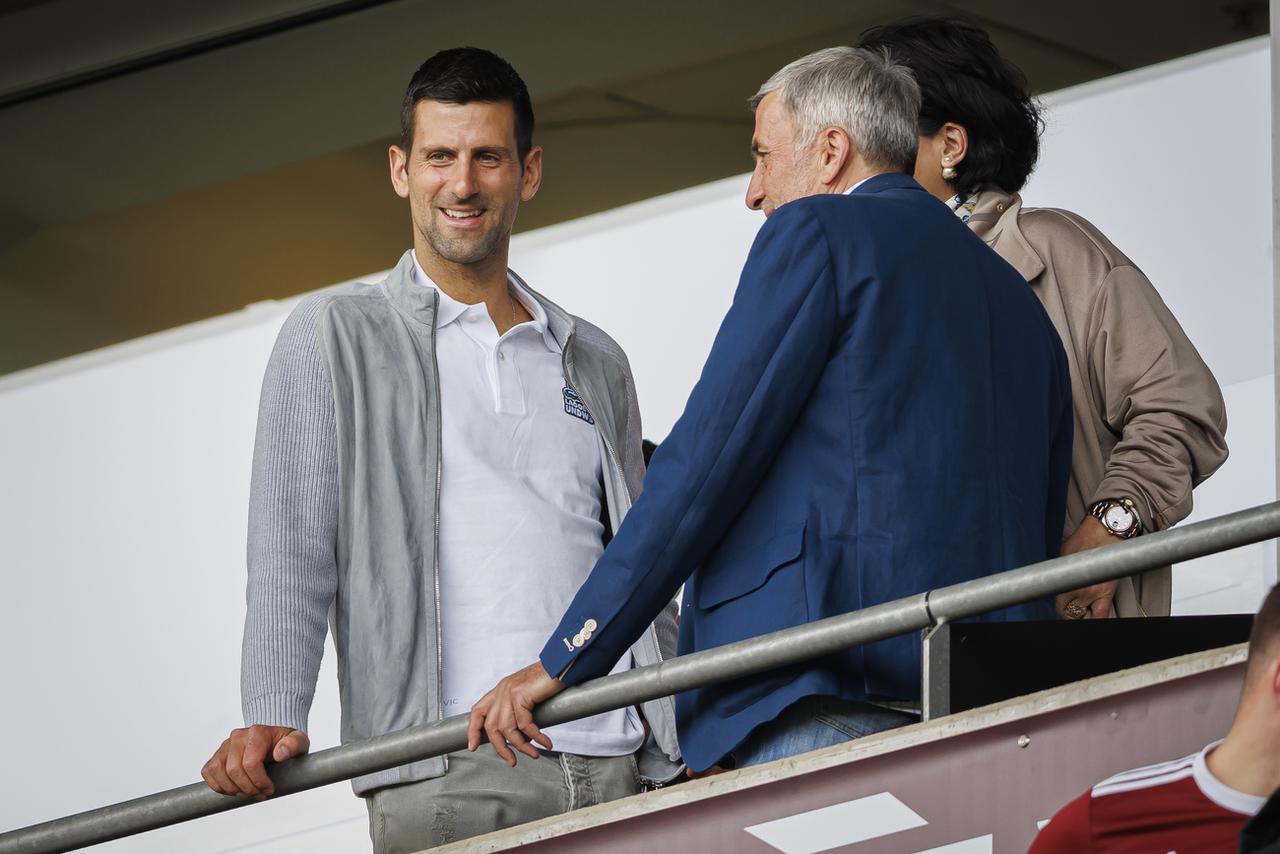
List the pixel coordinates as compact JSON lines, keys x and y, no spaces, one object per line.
{"x":1118,"y":516}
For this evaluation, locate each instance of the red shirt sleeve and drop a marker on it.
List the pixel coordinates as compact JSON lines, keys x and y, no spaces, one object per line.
{"x":1068,"y":832}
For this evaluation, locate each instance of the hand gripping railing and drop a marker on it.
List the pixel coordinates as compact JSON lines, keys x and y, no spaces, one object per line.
{"x":708,"y":667}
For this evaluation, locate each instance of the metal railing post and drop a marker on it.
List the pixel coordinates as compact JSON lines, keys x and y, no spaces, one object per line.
{"x":712,"y":666}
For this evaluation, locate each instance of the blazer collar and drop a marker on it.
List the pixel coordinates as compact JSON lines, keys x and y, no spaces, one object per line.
{"x":888,"y":181}
{"x":995,"y":220}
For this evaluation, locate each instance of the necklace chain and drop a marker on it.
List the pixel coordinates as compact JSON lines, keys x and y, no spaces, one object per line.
{"x":511,"y":302}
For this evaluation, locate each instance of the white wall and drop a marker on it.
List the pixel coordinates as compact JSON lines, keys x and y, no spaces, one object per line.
{"x":125,"y":472}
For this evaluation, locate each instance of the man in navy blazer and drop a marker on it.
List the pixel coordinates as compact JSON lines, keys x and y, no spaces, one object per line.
{"x":885,"y":410}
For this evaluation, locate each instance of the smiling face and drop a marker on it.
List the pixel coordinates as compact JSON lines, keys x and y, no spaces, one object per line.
{"x":783,"y":172}
{"x":464,"y":181}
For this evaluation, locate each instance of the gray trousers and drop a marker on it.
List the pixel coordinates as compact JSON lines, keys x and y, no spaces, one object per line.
{"x":480,"y":794}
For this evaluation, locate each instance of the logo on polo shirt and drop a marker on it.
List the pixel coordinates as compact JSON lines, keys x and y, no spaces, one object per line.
{"x":575,"y":407}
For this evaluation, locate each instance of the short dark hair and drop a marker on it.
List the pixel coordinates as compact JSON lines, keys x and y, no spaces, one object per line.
{"x":1265,"y":634}
{"x":463,"y":75}
{"x":963,"y":79}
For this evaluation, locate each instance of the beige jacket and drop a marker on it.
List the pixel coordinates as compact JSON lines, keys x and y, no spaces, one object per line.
{"x":1150,"y":421}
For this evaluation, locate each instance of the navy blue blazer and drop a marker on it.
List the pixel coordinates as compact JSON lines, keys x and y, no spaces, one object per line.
{"x":886,"y":409}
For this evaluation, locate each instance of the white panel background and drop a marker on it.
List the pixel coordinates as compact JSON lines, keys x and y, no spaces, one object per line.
{"x":125,"y":472}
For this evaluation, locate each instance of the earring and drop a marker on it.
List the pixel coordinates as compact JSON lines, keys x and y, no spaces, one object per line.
{"x":949,"y":173}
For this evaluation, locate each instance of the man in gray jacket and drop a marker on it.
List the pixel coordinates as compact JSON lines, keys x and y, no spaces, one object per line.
{"x":426,"y":446}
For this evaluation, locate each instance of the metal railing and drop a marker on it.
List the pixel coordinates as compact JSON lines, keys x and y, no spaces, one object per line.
{"x":732,"y":661}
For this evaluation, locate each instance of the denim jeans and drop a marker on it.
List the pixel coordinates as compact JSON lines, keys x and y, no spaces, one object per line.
{"x":480,"y":794}
{"x":813,"y":723}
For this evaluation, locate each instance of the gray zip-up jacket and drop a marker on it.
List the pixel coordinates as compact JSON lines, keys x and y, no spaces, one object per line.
{"x":344,"y":513}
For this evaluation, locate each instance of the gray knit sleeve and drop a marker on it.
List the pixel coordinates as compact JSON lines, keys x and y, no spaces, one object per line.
{"x":293,"y":511}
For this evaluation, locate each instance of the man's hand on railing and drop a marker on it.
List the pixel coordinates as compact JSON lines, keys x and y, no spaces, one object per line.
{"x":505,"y":714}
{"x":238,"y":767}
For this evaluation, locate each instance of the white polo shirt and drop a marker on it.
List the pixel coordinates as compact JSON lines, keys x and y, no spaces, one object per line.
{"x":520,"y":503}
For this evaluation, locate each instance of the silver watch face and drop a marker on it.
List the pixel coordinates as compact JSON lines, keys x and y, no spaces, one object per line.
{"x":1117,"y":518}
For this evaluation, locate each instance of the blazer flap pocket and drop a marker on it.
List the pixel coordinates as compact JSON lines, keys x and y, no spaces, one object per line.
{"x":747,"y":570}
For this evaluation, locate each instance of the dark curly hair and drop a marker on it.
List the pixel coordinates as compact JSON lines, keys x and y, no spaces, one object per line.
{"x":963,"y":79}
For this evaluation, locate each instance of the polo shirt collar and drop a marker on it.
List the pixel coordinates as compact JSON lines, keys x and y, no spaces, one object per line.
{"x":418,"y":304}
{"x":448,"y":309}
{"x":535,"y":309}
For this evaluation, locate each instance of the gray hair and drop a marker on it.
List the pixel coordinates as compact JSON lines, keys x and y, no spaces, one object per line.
{"x":863,"y":92}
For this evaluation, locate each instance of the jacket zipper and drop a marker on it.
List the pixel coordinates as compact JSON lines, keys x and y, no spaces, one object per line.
{"x":435,"y":565}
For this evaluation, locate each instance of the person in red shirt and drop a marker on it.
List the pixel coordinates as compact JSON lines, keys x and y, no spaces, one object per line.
{"x":1199,"y":803}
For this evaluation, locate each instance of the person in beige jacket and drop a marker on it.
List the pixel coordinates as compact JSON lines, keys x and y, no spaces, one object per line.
{"x":1150,"y":422}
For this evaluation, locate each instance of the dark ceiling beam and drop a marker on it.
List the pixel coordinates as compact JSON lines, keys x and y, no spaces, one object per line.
{"x":47,"y":88}
{"x":995,"y":25}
